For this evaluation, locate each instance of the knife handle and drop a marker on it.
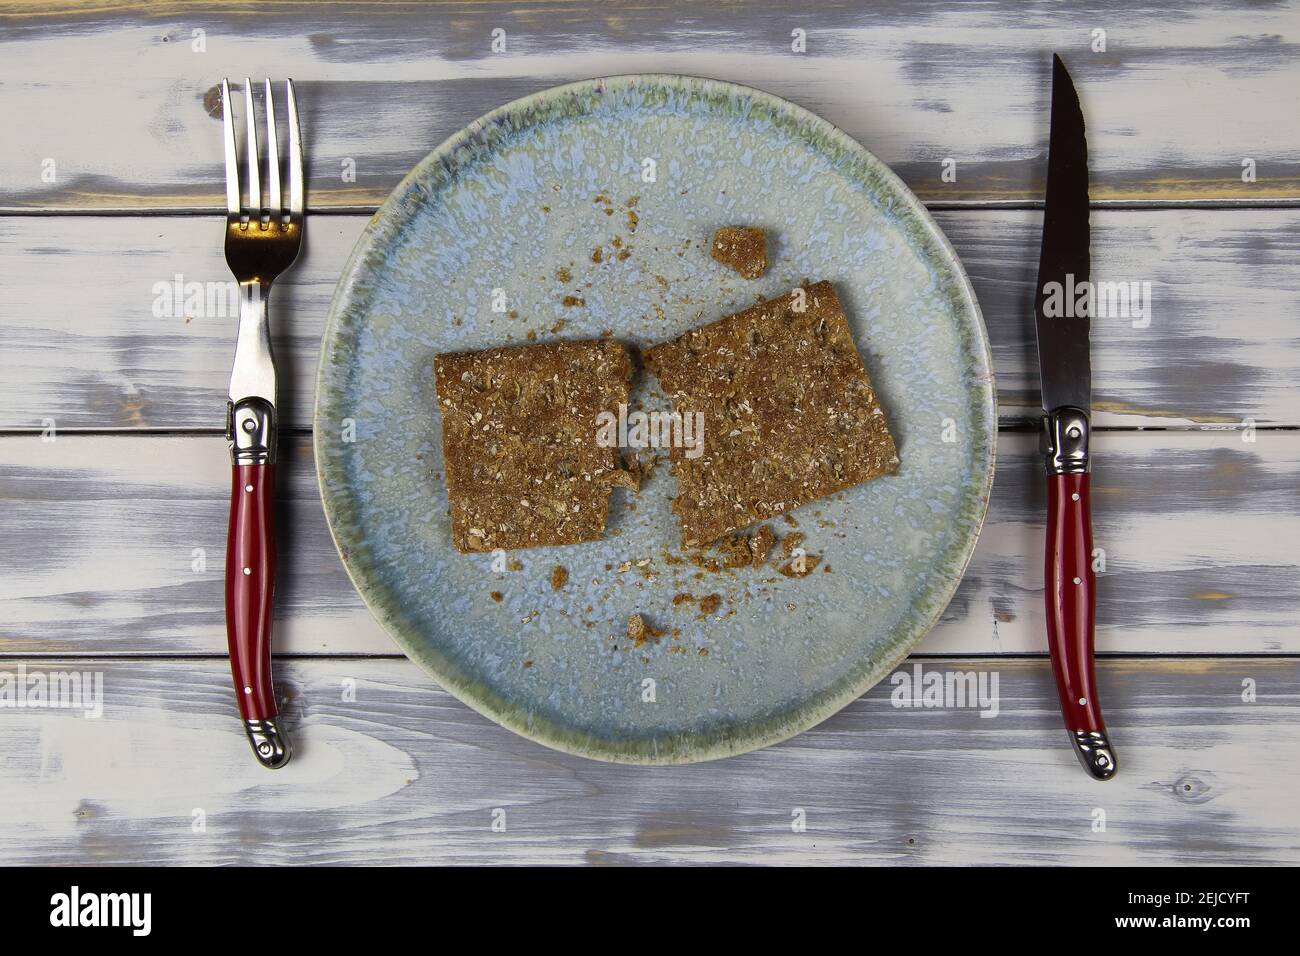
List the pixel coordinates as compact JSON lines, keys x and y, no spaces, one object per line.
{"x":1071,"y":597}
{"x":1070,"y":588}
{"x":250,"y":587}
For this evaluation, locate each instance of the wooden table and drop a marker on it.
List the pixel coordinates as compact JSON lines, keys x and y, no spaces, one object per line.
{"x":114,"y":473}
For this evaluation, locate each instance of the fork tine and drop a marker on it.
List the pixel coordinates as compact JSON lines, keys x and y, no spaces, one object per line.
{"x":254,"y":154}
{"x":272,"y":159}
{"x":232,"y":156}
{"x":295,"y":158}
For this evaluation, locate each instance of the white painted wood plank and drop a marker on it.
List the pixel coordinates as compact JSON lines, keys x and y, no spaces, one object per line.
{"x":93,"y":335}
{"x":120,"y":99}
{"x":1199,"y":530}
{"x":405,"y":774}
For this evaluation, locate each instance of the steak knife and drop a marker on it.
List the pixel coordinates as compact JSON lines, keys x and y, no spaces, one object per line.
{"x":1062,"y":307}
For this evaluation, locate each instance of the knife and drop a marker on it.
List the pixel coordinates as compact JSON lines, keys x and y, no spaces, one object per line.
{"x":1061,"y":317}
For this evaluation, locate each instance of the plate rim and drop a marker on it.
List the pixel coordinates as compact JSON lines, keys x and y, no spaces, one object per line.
{"x":691,"y":746}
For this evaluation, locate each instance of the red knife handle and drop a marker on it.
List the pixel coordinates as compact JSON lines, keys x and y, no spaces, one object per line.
{"x":1070,"y":593}
{"x":250,"y":587}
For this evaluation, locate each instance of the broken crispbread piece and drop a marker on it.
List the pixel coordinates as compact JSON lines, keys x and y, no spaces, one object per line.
{"x":742,"y":248}
{"x":789,"y":412}
{"x":519,"y":430}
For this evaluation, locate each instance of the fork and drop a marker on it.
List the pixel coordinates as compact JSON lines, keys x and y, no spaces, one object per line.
{"x":262,"y":241}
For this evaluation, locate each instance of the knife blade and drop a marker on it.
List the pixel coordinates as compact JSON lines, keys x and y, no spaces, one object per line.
{"x":1062,"y":307}
{"x":1063,"y":262}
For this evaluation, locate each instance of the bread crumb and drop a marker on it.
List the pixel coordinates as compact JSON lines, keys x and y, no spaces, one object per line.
{"x":638,"y":631}
{"x":741,"y":248}
{"x":760,"y":545}
{"x":801,"y":566}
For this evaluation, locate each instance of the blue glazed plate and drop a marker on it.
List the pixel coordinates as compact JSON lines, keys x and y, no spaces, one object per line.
{"x":471,"y":251}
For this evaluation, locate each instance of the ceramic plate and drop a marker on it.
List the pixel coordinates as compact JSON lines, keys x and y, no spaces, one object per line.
{"x":481,"y":245}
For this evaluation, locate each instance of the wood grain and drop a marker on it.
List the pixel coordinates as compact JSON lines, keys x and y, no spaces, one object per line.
{"x":114,"y":543}
{"x":117,"y":96}
{"x":92,"y":336}
{"x":1199,"y":531}
{"x":405,"y":774}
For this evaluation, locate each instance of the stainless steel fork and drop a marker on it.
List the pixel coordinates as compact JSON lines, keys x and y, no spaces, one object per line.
{"x":262,"y":241}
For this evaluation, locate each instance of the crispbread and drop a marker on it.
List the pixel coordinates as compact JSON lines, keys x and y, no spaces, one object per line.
{"x":519,"y":430}
{"x":789,"y":412}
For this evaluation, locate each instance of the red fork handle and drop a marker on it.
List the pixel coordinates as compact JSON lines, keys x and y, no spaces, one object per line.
{"x":250,"y":585}
{"x":1070,"y":593}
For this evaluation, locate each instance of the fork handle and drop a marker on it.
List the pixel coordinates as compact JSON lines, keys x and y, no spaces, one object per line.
{"x":250,"y":586}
